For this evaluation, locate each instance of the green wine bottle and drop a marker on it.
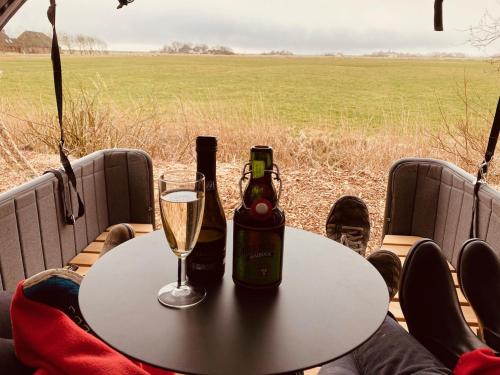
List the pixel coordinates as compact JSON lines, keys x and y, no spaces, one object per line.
{"x":259,"y":226}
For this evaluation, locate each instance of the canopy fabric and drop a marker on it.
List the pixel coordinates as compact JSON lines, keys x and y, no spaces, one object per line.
{"x":7,"y":9}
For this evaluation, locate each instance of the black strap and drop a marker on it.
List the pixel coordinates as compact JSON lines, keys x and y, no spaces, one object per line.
{"x":123,"y":3}
{"x":483,"y":170}
{"x":56,"y":66}
{"x":438,"y":15}
{"x":64,"y":199}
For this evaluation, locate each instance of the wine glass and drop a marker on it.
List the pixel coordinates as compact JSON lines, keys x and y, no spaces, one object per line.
{"x":182,"y":201}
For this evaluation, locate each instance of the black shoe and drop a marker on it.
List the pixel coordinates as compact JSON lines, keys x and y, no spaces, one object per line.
{"x":388,"y":265}
{"x":430,"y":305}
{"x":479,"y":278}
{"x":349,"y":223}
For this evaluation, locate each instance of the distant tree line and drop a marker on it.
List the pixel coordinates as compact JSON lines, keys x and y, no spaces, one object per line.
{"x":278,"y":53}
{"x":393,"y":54}
{"x":195,"y":49}
{"x":82,"y":44}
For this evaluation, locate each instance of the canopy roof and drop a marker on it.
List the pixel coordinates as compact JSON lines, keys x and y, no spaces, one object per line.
{"x":7,"y":9}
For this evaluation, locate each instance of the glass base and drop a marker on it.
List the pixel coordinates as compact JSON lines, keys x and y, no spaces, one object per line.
{"x":185,"y":296}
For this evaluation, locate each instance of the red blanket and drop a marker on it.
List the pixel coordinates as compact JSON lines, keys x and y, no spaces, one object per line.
{"x":50,"y":342}
{"x":478,"y":362}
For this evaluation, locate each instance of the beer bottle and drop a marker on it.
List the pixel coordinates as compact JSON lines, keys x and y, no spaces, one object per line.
{"x":259,"y":225}
{"x":206,"y":262}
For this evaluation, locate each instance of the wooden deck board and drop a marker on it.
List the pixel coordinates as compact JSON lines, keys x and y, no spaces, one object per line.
{"x":399,"y":250}
{"x":93,"y":247}
{"x":82,"y":270}
{"x":90,"y":254}
{"x":313,"y":371}
{"x":392,"y":239}
{"x":85,"y":259}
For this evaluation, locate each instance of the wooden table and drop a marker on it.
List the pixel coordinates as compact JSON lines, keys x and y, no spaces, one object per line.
{"x":330,"y":301}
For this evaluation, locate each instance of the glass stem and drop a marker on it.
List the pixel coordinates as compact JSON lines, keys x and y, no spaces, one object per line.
{"x":181,"y":272}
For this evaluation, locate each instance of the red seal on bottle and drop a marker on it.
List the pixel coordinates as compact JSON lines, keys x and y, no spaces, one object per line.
{"x":261,"y":208}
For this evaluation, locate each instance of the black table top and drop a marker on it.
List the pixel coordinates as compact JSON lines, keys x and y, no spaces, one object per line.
{"x":330,"y":301}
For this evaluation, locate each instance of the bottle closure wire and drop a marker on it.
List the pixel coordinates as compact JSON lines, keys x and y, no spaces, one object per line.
{"x":275,"y":172}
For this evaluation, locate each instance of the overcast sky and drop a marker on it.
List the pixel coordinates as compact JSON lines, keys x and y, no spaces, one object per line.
{"x":300,"y":26}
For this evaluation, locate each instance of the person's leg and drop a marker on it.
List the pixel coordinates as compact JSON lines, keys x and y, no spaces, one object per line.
{"x":9,"y":364}
{"x":479,"y":277}
{"x":430,"y":305}
{"x":390,"y":351}
{"x":5,"y":325}
{"x":342,"y":366}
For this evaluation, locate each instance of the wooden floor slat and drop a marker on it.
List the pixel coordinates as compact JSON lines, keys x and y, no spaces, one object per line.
{"x":392,"y":239}
{"x":82,"y":270}
{"x":102,"y":237}
{"x":400,"y":250}
{"x":93,"y":247}
{"x":313,"y":371}
{"x":85,"y":259}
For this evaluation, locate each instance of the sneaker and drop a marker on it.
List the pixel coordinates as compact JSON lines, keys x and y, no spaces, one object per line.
{"x":349,"y":223}
{"x":389,"y":266}
{"x":119,"y":234}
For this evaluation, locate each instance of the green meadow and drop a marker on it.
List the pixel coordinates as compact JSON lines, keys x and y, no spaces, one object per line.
{"x":297,"y":91}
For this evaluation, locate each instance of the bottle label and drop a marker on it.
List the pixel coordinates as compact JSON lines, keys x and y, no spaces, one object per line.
{"x":209,"y":252}
{"x":258,"y":254}
{"x":209,"y":185}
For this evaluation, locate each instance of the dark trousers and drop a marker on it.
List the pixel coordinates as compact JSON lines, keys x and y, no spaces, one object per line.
{"x":390,"y":351}
{"x":9,"y":364}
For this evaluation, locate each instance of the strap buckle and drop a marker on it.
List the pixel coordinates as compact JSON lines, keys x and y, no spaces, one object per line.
{"x":482,"y":172}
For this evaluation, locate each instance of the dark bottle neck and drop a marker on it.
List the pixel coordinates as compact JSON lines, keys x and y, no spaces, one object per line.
{"x":261,"y":161}
{"x":206,"y":164}
{"x":260,"y":185}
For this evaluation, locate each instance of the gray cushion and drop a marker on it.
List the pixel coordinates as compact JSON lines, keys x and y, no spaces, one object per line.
{"x":115,"y":185}
{"x":433,"y":199}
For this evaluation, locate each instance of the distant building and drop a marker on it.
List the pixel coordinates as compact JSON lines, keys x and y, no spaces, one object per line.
{"x":8,"y":44}
{"x":34,"y":42}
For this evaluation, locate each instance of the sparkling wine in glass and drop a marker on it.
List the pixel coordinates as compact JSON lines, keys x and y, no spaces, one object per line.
{"x":182,"y":200}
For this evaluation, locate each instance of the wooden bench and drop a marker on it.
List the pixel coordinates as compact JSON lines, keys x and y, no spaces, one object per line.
{"x":90,"y":254}
{"x":400,"y":245}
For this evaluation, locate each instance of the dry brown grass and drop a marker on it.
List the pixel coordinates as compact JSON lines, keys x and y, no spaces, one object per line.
{"x":318,"y":165}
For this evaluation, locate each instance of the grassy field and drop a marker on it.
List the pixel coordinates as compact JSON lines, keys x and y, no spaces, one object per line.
{"x":296,"y":91}
{"x":336,"y":124}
